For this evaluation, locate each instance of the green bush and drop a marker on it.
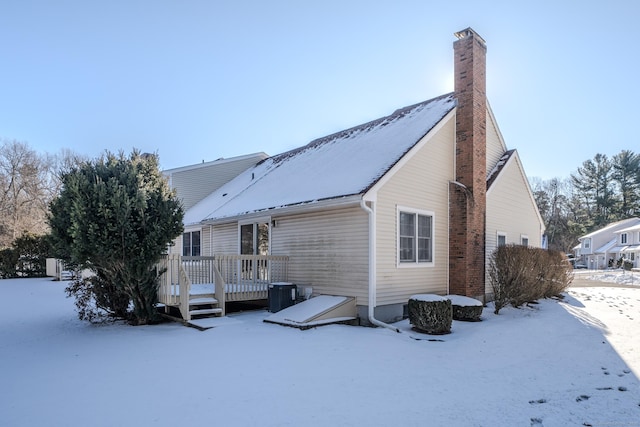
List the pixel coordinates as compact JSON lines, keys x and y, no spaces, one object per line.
{"x":115,"y":216}
{"x":8,"y":260}
{"x":26,"y":257}
{"x":520,"y":274}
{"x":32,"y":255}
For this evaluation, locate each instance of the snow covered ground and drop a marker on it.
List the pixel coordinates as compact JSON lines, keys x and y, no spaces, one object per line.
{"x":570,"y":363}
{"x":618,"y":276}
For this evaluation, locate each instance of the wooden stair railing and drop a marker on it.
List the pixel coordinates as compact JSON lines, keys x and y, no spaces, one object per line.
{"x":219,"y":288}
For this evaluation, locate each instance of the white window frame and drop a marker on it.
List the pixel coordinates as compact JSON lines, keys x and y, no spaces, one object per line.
{"x":524,"y":237}
{"x":624,"y":238}
{"x":500,"y":234}
{"x":255,"y":222}
{"x":416,"y":263}
{"x":586,"y":243}
{"x":190,"y":233}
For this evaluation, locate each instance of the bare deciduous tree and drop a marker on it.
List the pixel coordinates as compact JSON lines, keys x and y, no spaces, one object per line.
{"x":22,"y":191}
{"x":28,"y":183}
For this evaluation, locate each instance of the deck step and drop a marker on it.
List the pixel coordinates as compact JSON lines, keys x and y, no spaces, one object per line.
{"x":205,"y":311}
{"x":198,"y":296}
{"x":202,"y":301}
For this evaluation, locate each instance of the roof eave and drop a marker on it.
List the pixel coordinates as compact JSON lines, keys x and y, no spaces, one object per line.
{"x":304,"y":207}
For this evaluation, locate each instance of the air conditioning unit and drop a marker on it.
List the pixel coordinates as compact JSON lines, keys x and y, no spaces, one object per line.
{"x":281,"y":296}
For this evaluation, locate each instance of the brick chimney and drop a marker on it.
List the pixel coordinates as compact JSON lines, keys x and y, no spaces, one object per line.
{"x":467,"y":201}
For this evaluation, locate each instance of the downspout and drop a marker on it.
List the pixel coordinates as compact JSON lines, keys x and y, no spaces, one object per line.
{"x":466,"y":190}
{"x":372,"y":266}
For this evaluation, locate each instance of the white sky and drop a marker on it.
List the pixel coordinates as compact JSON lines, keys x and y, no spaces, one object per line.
{"x":199,"y":80}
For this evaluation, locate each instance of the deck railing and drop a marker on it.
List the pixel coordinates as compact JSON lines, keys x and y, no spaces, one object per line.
{"x":174,"y":282}
{"x":236,"y":277}
{"x":247,"y":277}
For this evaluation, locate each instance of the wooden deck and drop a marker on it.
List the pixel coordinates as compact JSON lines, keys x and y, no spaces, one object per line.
{"x":203,"y":285}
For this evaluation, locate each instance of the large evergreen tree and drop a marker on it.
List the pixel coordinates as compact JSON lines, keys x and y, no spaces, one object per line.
{"x":626,"y":173}
{"x":115,"y":216}
{"x":593,"y":182}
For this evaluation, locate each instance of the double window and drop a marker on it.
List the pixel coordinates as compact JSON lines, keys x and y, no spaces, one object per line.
{"x":415,"y":237}
{"x":623,"y":238}
{"x":191,"y":243}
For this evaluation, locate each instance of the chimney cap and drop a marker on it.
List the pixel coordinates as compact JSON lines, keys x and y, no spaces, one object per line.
{"x":469,"y":32}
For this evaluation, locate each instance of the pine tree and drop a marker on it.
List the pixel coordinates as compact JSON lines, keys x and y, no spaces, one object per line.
{"x":626,"y":173}
{"x":116,"y":215}
{"x":593,"y":184}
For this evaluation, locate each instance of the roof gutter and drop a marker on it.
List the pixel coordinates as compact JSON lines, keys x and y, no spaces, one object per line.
{"x":372,"y":266}
{"x":343,"y":201}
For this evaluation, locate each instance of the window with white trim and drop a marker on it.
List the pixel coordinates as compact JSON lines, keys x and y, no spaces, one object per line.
{"x":502,"y":239}
{"x":254,"y":238}
{"x":415,"y":236}
{"x":524,"y":240}
{"x":586,"y":243}
{"x":191,"y":243}
{"x":623,"y":238}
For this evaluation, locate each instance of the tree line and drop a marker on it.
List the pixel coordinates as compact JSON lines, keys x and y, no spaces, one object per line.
{"x":602,"y":190}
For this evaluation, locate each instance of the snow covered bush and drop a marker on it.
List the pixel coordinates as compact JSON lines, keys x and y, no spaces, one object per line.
{"x":521,"y":274}
{"x":430,"y":313}
{"x":465,"y":309}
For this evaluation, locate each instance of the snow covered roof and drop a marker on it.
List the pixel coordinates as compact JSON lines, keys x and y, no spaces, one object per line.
{"x":629,"y":229}
{"x":607,"y":247}
{"x":347,"y":163}
{"x":261,"y":155}
{"x":611,"y":228}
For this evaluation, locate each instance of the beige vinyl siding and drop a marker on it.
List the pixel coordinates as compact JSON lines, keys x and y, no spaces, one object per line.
{"x":423,"y":184}
{"x":225,"y":239}
{"x":198,"y":181}
{"x":495,"y":146}
{"x":205,"y":240}
{"x":510,"y":210}
{"x":327,"y":250}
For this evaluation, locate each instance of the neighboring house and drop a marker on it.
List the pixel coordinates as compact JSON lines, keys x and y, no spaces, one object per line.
{"x":195,"y":182}
{"x":603,"y":247}
{"x":411,"y":203}
{"x":628,"y":240}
